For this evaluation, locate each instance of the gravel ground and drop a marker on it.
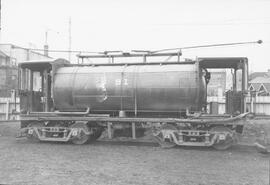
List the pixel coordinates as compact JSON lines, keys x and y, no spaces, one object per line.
{"x":25,"y":162}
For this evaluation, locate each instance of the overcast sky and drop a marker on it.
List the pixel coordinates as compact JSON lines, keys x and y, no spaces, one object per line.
{"x":98,"y":25}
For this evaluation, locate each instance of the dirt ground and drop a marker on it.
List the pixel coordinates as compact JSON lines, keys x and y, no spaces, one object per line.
{"x":24,"y":162}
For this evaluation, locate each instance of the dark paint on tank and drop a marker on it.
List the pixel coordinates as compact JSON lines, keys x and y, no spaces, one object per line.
{"x":147,"y":88}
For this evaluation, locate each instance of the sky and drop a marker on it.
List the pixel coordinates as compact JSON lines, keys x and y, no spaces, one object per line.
{"x":99,"y":25}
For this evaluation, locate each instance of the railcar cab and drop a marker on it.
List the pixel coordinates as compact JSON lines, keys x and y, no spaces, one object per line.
{"x":35,"y":80}
{"x":235,"y":102}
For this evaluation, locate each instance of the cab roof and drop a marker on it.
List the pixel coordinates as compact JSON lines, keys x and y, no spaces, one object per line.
{"x":42,"y":64}
{"x":222,"y":62}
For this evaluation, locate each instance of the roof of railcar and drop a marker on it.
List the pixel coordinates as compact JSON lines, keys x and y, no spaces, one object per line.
{"x":42,"y":61}
{"x":206,"y":62}
{"x":221,"y":62}
{"x":39,"y":64}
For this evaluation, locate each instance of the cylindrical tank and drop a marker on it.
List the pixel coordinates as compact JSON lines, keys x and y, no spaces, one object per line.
{"x":131,"y":88}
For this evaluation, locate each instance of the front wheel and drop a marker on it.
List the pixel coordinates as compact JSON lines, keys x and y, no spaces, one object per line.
{"x":81,"y":136}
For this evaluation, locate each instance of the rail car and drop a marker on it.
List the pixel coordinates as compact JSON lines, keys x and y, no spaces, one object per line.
{"x":61,"y":101}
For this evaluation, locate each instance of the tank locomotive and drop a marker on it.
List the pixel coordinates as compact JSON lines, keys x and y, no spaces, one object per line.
{"x":78,"y":102}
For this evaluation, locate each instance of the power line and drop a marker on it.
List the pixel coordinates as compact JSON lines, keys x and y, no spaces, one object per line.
{"x":60,"y":51}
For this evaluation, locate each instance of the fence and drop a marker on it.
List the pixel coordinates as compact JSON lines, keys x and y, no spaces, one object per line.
{"x":261,"y":105}
{"x":9,"y":108}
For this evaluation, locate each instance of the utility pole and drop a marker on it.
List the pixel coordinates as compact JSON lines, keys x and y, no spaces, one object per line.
{"x":0,"y":20}
{"x":46,"y":46}
{"x":69,"y":39}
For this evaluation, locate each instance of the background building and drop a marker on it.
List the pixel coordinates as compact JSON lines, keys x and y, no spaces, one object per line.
{"x":259,"y":92}
{"x":217,"y":84}
{"x":10,"y":56}
{"x":260,"y":83}
{"x":259,"y":74}
{"x":258,"y":97}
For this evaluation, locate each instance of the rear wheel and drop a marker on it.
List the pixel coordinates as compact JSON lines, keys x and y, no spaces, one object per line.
{"x":163,"y":137}
{"x":81,"y":137}
{"x":223,"y":143}
{"x":262,"y":145}
{"x":31,"y":133}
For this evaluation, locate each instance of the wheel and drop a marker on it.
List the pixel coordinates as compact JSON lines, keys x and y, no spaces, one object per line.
{"x":34,"y":137}
{"x":97,"y":131}
{"x":82,"y":137}
{"x":227,"y":142}
{"x":162,"y":140}
{"x":261,"y":146}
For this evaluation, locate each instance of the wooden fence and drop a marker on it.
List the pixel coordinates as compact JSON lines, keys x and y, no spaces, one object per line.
{"x":9,"y":108}
{"x":258,"y":105}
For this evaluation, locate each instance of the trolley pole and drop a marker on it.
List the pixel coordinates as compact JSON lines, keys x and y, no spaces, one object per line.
{"x":69,"y":39}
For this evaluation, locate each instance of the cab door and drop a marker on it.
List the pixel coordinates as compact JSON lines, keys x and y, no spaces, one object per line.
{"x":35,"y":90}
{"x":29,"y":92}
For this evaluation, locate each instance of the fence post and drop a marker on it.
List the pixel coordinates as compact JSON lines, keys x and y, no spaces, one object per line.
{"x":133,"y":127}
{"x":109,"y":126}
{"x":7,"y":110}
{"x":251,"y":104}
